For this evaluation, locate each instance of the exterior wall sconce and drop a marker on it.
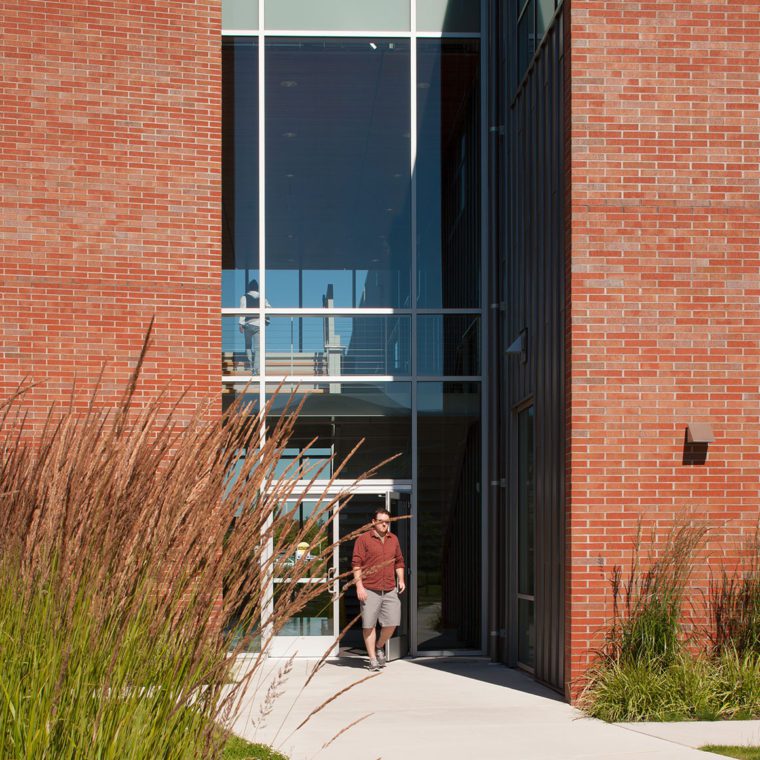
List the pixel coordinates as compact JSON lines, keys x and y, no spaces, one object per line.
{"x":698,"y":435}
{"x":699,"y":432}
{"x":519,"y":346}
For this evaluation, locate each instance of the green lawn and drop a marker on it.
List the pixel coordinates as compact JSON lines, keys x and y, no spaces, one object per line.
{"x":742,"y":753}
{"x":239,"y":749}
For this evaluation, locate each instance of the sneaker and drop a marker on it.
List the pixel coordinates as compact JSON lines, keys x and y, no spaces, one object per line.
{"x":380,"y":658}
{"x":373,"y":665}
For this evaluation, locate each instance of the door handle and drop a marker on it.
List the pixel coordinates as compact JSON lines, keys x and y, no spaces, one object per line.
{"x":332,"y":581}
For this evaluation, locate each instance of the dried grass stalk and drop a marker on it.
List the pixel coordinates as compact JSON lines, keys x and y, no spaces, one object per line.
{"x":140,"y":566}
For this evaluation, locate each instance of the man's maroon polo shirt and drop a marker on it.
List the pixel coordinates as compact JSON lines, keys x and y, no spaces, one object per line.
{"x":378,"y":560}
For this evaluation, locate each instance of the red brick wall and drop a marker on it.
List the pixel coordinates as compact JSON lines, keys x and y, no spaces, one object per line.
{"x":110,"y":115}
{"x":664,"y":318}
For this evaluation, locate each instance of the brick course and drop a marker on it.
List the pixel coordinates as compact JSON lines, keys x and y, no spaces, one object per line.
{"x":110,"y":114}
{"x":664,"y":285}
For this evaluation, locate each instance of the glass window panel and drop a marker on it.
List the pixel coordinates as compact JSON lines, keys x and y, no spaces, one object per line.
{"x":314,"y":619}
{"x":337,"y":172}
{"x":240,"y":14}
{"x":240,"y":167}
{"x":526,"y":632}
{"x":526,"y":503}
{"x":288,"y":525}
{"x":339,"y":415}
{"x":338,"y":345}
{"x":448,"y":344}
{"x":448,"y":15}
{"x":449,"y":515}
{"x":241,"y":345}
{"x":526,"y":38}
{"x":448,"y":174}
{"x":544,"y":13}
{"x":315,"y":460}
{"x":338,"y":15}
{"x":242,"y":622}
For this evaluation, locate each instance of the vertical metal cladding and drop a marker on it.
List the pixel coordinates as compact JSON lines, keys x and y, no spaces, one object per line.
{"x":528,"y":253}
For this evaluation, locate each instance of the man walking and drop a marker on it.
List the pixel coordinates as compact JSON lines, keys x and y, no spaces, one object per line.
{"x":379,"y":574}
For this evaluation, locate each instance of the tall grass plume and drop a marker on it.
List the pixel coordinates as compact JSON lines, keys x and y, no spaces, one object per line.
{"x":136,"y":550}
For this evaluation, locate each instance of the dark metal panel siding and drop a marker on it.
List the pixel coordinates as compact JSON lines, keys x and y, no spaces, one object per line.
{"x":529,"y":256}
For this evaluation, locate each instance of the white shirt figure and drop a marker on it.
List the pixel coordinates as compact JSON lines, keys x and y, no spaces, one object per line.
{"x":250,"y":324}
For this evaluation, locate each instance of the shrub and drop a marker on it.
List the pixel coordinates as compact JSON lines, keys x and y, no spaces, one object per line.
{"x":119,"y":529}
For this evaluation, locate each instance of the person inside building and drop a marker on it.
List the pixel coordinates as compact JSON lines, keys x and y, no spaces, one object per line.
{"x":378,"y":567}
{"x":249,"y":323}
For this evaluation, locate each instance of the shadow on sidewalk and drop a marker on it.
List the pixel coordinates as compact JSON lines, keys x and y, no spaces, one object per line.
{"x":486,"y":671}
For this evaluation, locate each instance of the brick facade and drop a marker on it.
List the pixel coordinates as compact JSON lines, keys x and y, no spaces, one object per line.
{"x":111,"y":122}
{"x":110,"y":115}
{"x":664,"y":284}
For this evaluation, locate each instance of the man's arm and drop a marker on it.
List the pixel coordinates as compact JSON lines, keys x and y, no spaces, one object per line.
{"x":361,"y":592}
{"x":356,"y":562}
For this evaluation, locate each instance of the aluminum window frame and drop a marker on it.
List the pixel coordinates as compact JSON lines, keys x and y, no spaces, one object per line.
{"x":265,"y":378}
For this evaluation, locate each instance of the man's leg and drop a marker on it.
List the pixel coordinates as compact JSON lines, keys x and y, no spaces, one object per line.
{"x":248,"y":335}
{"x":254,"y":346}
{"x":389,"y":619}
{"x":385,"y":633}
{"x":370,"y":610}
{"x":369,"y":642}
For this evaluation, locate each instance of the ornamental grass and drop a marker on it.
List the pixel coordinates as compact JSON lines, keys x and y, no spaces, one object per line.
{"x":136,"y":551}
{"x":649,"y":669}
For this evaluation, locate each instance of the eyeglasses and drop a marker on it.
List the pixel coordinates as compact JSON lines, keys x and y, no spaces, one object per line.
{"x":383,"y":522}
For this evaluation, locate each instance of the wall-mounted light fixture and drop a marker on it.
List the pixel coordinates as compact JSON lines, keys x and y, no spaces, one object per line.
{"x":696,"y":438}
{"x":699,"y":432}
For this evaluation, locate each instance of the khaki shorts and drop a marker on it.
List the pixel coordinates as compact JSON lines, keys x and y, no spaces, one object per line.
{"x":382,"y":607}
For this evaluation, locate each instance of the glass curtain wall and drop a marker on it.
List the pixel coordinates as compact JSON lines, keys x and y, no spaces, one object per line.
{"x":352,"y":260}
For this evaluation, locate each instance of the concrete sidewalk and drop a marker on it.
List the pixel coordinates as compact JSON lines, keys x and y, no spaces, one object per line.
{"x":446,"y":710}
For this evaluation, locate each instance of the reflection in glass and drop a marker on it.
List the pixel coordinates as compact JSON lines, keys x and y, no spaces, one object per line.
{"x":337,"y":172}
{"x":298,"y":520}
{"x":240,"y":14}
{"x":448,"y":174}
{"x":526,"y":38}
{"x":240,"y":167}
{"x":388,"y":16}
{"x":314,"y":619}
{"x":448,"y":344}
{"x":241,"y":345}
{"x":340,"y":415}
{"x":544,"y":13}
{"x":448,"y":15}
{"x":238,"y":627}
{"x":339,"y":345}
{"x":448,"y":575}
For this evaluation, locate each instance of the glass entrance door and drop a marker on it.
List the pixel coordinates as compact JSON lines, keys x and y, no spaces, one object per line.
{"x":400,"y":507}
{"x":354,"y":515}
{"x":313,"y":630}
